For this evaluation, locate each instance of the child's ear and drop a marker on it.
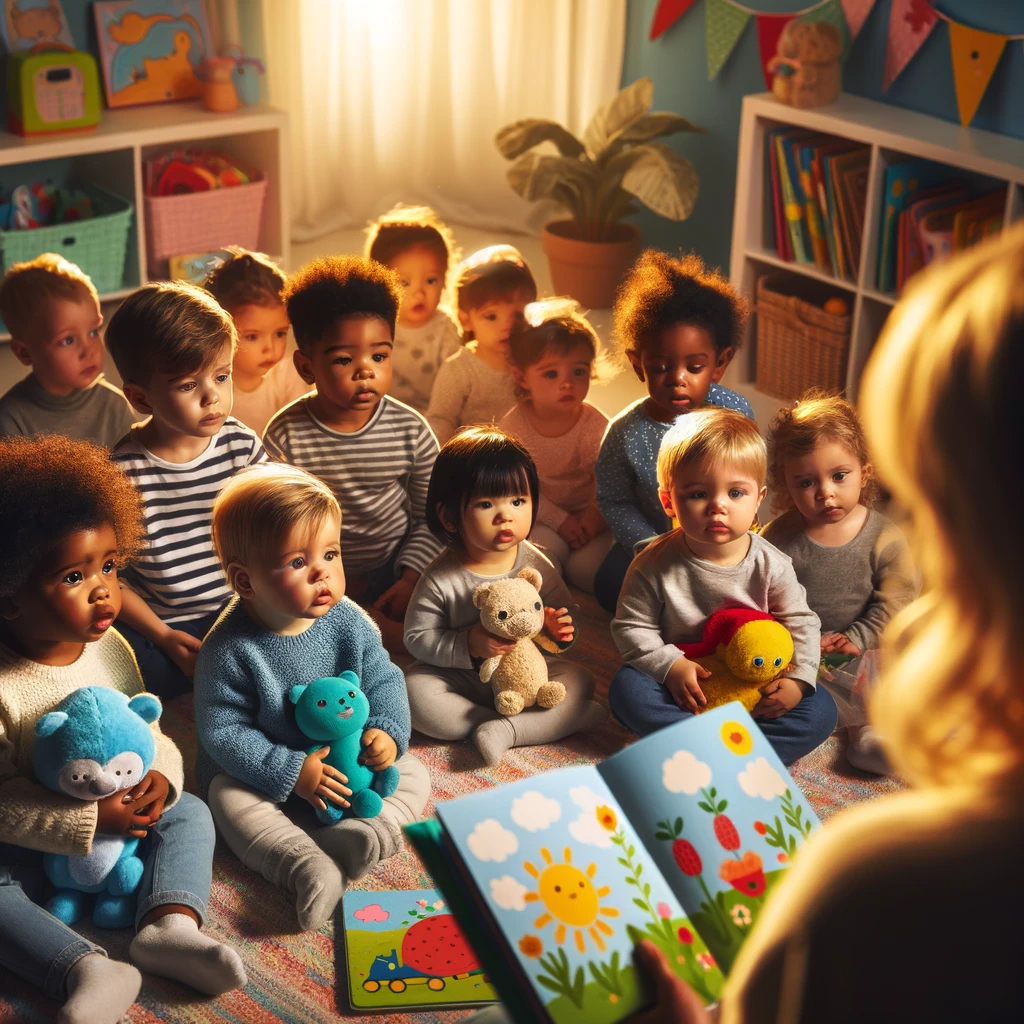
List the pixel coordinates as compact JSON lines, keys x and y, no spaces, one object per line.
{"x":666,"y":502}
{"x":21,"y":352}
{"x":519,"y":378}
{"x":303,"y":367}
{"x":463,"y":319}
{"x":761,"y":495}
{"x":446,"y":519}
{"x":638,"y":369}
{"x":137,"y":397}
{"x":239,"y":580}
{"x":722,"y":364}
{"x":8,"y":608}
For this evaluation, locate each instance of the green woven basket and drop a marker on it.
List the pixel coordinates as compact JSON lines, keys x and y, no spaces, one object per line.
{"x":97,"y":244}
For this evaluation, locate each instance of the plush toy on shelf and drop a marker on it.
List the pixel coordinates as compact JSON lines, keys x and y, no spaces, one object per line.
{"x":333,"y":712}
{"x":744,"y":650}
{"x":95,"y":743}
{"x":806,"y":64}
{"x":513,"y":609}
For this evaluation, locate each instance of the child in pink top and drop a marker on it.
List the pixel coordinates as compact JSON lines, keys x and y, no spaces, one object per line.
{"x":553,"y":363}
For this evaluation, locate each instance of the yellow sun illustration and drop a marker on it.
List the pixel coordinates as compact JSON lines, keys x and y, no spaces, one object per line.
{"x":572,"y":899}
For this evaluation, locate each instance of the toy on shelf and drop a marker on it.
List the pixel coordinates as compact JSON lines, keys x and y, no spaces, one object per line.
{"x":52,"y":88}
{"x":806,"y":64}
{"x":245,"y":74}
{"x":219,"y":93}
{"x":29,"y":22}
{"x":183,"y":169}
{"x":40,"y":205}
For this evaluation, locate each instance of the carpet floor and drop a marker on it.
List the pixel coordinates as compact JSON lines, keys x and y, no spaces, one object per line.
{"x":300,"y":978}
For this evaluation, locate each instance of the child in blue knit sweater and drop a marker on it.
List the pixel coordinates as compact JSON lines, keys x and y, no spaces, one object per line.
{"x":277,"y":534}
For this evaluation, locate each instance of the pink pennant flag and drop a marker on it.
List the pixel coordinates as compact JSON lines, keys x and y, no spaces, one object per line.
{"x":910,"y":24}
{"x":856,"y":12}
{"x":769,"y":29}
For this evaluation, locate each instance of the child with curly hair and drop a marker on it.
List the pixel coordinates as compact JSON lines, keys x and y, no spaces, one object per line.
{"x":853,"y":562}
{"x":69,"y":518}
{"x":475,"y":386}
{"x":263,"y":377}
{"x":415,"y":243}
{"x":679,"y":325}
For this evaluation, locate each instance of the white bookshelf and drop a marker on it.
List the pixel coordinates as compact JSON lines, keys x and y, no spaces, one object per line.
{"x":112,"y":157}
{"x":893,"y":135}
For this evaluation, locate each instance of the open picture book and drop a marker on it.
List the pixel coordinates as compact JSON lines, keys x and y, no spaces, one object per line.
{"x":679,"y":838}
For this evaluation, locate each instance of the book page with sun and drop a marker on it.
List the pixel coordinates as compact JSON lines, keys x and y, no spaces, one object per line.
{"x":573,"y":890}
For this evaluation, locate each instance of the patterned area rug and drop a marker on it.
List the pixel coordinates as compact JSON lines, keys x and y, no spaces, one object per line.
{"x":292,"y":977}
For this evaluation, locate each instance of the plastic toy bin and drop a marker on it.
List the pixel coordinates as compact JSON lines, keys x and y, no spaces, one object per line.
{"x":97,"y":244}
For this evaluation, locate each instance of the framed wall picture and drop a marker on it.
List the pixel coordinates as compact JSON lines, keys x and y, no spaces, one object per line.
{"x":27,"y":23}
{"x":152,"y":51}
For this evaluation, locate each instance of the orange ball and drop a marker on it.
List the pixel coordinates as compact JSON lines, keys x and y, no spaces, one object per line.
{"x":836,"y":306}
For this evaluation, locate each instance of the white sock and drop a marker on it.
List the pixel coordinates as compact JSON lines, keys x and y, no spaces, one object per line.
{"x":318,"y":883}
{"x":864,"y":751}
{"x":174,"y":947}
{"x":99,"y":990}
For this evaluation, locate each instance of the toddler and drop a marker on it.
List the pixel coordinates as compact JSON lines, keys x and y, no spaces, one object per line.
{"x":53,"y":313}
{"x":68,"y":519}
{"x":173,"y":346}
{"x":475,"y":385}
{"x":418,"y":246}
{"x":483,"y":502}
{"x":553,"y":363}
{"x":853,"y":562}
{"x":711,"y":472}
{"x":374,"y":452}
{"x":679,"y":325}
{"x":249,"y":286}
{"x":277,"y":532}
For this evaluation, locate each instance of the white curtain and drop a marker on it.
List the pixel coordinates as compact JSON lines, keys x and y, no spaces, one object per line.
{"x":399,"y":100}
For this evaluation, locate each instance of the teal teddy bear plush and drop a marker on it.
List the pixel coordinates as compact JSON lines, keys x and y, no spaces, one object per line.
{"x":333,"y":712}
{"x":96,"y":742}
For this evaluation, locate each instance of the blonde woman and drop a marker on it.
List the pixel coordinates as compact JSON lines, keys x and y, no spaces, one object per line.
{"x":911,"y":908}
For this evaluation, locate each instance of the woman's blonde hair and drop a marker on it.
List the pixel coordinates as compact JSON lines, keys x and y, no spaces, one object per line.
{"x":818,"y":418}
{"x":712,"y":437}
{"x":941,"y":404}
{"x":260,"y":505}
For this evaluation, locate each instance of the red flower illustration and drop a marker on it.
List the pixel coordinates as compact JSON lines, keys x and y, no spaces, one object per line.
{"x":687,"y":857}
{"x":725,"y":832}
{"x":745,"y":875}
{"x":760,"y":828}
{"x":685,"y":936}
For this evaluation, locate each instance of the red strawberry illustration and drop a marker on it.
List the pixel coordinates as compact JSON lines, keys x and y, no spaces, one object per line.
{"x":684,"y":852}
{"x":436,"y":946}
{"x":725,"y":830}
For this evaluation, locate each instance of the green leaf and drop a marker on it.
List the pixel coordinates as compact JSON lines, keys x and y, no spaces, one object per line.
{"x":536,"y":175}
{"x":639,"y":870}
{"x":722,"y":806}
{"x":616,"y":115}
{"x":631,"y":881}
{"x":714,"y":792}
{"x":515,"y":139}
{"x":623,"y":862}
{"x":705,"y":807}
{"x":663,"y":836}
{"x":679,"y":825}
{"x":631,"y":851}
{"x":552,"y":985}
{"x":647,"y":890}
{"x":640,"y":903}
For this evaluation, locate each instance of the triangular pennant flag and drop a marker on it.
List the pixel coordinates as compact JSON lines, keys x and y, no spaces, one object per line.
{"x":723,"y":26}
{"x":975,"y":56}
{"x":769,"y":28}
{"x":856,"y":12}
{"x":832,"y":12}
{"x":667,"y":14}
{"x":910,"y":24}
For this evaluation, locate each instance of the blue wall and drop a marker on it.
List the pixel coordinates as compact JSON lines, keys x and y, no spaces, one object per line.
{"x":677,"y":63}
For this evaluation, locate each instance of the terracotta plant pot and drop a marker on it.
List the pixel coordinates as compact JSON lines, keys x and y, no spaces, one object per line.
{"x":590,"y":272}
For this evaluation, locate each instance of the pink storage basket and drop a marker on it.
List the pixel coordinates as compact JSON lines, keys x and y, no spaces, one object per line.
{"x":202,"y":222}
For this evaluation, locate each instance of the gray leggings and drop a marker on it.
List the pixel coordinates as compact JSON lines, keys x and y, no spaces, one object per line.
{"x":449,"y":703}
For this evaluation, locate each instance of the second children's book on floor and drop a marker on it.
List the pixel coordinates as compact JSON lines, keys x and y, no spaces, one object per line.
{"x":679,"y":839}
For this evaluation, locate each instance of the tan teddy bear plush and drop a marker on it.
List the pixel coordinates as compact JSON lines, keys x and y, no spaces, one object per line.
{"x":512,"y":608}
{"x":806,"y":65}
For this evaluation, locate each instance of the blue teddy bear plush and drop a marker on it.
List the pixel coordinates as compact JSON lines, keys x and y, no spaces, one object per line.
{"x":96,"y":742}
{"x":333,"y":711}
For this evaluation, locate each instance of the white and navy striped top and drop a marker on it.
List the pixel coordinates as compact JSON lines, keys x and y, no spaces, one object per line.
{"x":177,"y":573}
{"x":378,"y":474}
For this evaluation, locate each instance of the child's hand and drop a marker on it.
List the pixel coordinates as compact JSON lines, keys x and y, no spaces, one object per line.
{"x":182,"y":649}
{"x":319,"y":782}
{"x":116,"y":817}
{"x":558,"y":623}
{"x":837,"y":643}
{"x":675,"y":1002}
{"x":150,"y":795}
{"x":781,"y":696}
{"x":381,"y":750}
{"x":593,"y":522}
{"x":572,"y":533}
{"x":486,"y":645}
{"x":682,"y":683}
{"x":394,"y":601}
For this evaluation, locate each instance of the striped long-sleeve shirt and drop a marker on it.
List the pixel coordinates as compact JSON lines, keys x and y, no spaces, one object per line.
{"x":378,"y":474}
{"x":177,"y":573}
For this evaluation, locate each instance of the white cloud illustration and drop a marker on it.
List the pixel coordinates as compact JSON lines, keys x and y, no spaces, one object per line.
{"x":508,"y":893}
{"x":586,"y":828}
{"x":490,"y":840}
{"x":759,"y":778}
{"x":683,"y":773}
{"x":535,"y":811}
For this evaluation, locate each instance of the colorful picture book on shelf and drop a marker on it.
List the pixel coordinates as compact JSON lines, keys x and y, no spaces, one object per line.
{"x":679,"y":838}
{"x":404,"y":950}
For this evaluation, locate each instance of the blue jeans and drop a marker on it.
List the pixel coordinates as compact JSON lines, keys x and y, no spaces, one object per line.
{"x":34,"y":945}
{"x":159,"y":674}
{"x":644,"y":705}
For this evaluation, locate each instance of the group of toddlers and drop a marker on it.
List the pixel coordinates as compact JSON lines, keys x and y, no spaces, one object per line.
{"x":273,"y":520}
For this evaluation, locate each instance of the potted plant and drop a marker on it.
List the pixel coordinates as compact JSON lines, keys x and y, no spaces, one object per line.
{"x":598,"y":180}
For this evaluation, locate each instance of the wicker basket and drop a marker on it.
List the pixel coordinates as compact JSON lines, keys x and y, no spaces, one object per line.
{"x":97,"y":244}
{"x":799,"y":345}
{"x":202,"y":221}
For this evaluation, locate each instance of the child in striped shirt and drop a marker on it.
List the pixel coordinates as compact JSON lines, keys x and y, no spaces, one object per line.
{"x":172,"y":345}
{"x":374,"y":452}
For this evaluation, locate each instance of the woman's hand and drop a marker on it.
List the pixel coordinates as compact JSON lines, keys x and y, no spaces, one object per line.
{"x":674,"y":1001}
{"x":572,"y":532}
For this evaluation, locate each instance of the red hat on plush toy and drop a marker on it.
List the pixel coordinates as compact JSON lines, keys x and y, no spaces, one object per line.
{"x":720,"y":629}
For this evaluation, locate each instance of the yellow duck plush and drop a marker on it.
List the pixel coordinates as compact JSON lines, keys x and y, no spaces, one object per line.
{"x":744,"y":650}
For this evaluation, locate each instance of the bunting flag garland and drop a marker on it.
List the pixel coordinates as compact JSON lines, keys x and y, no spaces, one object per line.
{"x":667,"y":14}
{"x":856,"y":12}
{"x":723,"y":25}
{"x":975,"y":56}
{"x":769,"y":28}
{"x":910,"y":24}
